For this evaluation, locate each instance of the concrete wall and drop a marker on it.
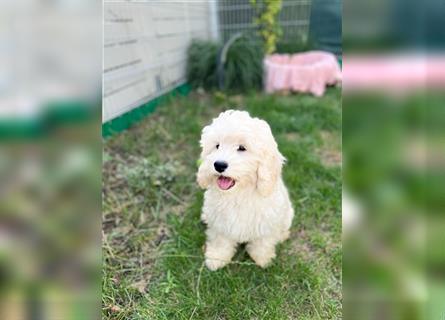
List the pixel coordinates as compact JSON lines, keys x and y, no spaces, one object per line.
{"x":145,"y":45}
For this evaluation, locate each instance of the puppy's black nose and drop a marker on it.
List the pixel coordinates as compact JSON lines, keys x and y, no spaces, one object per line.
{"x":220,"y":166}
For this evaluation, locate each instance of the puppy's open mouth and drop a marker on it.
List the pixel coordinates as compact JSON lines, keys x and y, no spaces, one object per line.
{"x":225,"y":183}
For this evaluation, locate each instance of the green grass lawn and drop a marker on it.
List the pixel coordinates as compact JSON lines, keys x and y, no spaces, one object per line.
{"x":153,"y":238}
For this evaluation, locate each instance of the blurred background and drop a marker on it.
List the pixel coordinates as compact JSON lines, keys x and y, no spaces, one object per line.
{"x":50,"y":159}
{"x":393,"y":167}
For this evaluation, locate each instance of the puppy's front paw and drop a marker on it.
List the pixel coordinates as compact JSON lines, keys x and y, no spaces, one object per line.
{"x":262,"y":256}
{"x":215,"y":264}
{"x":263,"y":261}
{"x":218,"y":252}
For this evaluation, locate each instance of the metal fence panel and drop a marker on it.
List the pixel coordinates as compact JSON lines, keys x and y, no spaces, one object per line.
{"x":237,"y":16}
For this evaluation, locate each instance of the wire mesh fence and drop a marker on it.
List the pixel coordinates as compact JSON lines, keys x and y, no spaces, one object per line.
{"x":236,"y":16}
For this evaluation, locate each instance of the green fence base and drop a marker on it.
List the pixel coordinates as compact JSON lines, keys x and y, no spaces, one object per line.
{"x":129,"y":118}
{"x":56,"y":114}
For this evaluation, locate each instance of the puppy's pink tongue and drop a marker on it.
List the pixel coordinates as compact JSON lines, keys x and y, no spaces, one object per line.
{"x":225,"y":183}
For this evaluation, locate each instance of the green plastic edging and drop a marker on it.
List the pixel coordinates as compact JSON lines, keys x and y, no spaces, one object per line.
{"x":55,"y":114}
{"x":21,"y":129}
{"x":135,"y":115}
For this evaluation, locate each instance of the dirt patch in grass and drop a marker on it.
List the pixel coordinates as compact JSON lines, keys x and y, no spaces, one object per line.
{"x":330,"y":150}
{"x":292,"y":136}
{"x":300,"y":245}
{"x":236,"y":101}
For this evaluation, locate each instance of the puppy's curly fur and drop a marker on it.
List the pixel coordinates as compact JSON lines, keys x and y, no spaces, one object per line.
{"x":245,"y":198}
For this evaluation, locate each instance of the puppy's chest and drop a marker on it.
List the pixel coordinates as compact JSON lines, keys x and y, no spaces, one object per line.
{"x":239,"y":218}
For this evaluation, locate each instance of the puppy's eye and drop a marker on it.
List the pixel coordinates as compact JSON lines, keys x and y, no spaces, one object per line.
{"x":217,"y":146}
{"x":241,"y":148}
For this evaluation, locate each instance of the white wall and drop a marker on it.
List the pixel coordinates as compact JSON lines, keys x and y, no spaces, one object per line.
{"x":145,"y":45}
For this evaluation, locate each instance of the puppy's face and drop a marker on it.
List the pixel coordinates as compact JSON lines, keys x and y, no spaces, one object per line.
{"x":239,"y":151}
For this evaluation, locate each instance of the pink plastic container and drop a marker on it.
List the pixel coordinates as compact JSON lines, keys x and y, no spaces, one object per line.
{"x":396,"y":73}
{"x":309,"y":72}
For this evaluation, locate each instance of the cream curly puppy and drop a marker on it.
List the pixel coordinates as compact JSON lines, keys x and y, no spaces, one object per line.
{"x":245,"y":198}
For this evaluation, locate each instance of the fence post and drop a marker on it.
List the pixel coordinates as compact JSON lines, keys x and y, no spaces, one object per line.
{"x":214,"y":23}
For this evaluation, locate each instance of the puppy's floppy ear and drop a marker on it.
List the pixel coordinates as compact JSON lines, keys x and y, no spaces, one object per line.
{"x":202,"y":178}
{"x":270,"y":165}
{"x":269,"y":171}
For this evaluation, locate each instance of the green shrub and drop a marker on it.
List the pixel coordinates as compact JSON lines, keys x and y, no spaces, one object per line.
{"x":201,"y":64}
{"x":243,"y":69}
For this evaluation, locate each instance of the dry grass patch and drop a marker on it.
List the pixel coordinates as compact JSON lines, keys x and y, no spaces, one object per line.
{"x":330,"y":150}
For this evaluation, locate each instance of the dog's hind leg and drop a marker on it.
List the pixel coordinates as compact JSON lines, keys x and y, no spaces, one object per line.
{"x":219,"y":250}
